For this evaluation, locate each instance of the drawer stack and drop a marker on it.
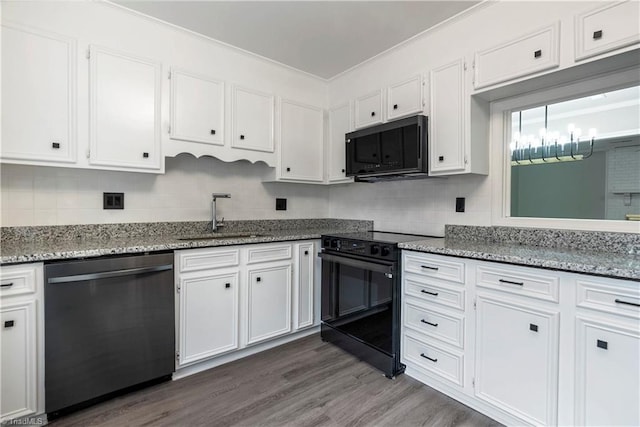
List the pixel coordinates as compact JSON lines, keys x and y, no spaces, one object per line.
{"x":433,"y":320}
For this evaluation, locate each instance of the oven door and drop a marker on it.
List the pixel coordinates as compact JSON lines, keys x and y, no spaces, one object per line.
{"x":359,"y":299}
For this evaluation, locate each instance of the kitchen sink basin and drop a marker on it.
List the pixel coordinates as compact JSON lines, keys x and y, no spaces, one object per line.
{"x":219,"y":236}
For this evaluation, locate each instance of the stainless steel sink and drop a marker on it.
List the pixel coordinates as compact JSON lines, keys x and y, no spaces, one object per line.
{"x":219,"y":236}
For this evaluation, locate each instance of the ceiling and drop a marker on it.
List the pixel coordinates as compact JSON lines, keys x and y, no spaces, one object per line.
{"x":323,"y":38}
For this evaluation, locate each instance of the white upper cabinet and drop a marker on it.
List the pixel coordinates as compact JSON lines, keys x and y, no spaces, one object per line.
{"x":404,"y":98}
{"x":301,"y":142}
{"x":197,"y":108}
{"x":124,"y":111}
{"x":38,"y":96}
{"x":369,"y":109}
{"x":253,"y":119}
{"x":607,"y":28}
{"x":340,"y":123}
{"x":529,"y":54}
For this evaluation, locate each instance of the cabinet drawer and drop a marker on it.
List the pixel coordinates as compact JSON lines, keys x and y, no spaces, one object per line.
{"x":428,"y":290}
{"x":607,"y":28}
{"x":445,"y":364}
{"x":434,"y":266}
{"x":194,"y":260}
{"x":18,"y":279}
{"x":609,"y":296}
{"x":519,"y":281}
{"x":534,"y":52}
{"x":444,"y":327}
{"x":268,"y":253}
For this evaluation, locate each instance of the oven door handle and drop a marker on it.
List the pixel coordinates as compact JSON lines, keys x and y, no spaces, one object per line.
{"x":377,"y":266}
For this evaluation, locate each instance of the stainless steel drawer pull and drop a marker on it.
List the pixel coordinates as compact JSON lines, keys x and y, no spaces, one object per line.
{"x":435,"y":294}
{"x":428,"y":358}
{"x":619,"y":301}
{"x":435,"y":325}
{"x":6,"y":285}
{"x":430,"y":268}
{"x":510,"y":282}
{"x":110,"y":274}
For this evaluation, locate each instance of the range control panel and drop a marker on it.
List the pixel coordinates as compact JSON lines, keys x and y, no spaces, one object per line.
{"x":387,"y":251}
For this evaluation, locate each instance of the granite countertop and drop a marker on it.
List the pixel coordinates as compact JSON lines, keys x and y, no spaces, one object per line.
{"x":616,"y":265}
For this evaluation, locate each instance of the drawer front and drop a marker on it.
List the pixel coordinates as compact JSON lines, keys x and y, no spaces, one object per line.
{"x":445,"y":364}
{"x":444,"y":327}
{"x":607,"y":28}
{"x":194,"y":260}
{"x":18,"y":279}
{"x":429,"y":290}
{"x":268,"y":253}
{"x":610,"y":297}
{"x":519,"y":281}
{"x":534,"y":52}
{"x":433,"y":266}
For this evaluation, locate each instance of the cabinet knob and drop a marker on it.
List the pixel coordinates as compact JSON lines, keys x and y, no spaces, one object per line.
{"x":241,"y":136}
{"x":258,"y":279}
{"x":342,"y":170}
{"x":288,"y":169}
{"x":9,"y":323}
{"x":537,"y":54}
{"x":227,"y":285}
{"x":373,"y":113}
{"x":440,"y":158}
{"x":533,"y":327}
{"x":145,"y":155}
{"x":602,"y":344}
{"x":395,"y":106}
{"x":55,"y":145}
{"x":597,"y":35}
{"x":213,"y":131}
{"x":306,"y":252}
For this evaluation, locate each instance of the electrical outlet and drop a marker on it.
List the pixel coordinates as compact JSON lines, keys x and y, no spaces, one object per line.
{"x":281,"y":204}
{"x":459,"y":204}
{"x":112,"y":200}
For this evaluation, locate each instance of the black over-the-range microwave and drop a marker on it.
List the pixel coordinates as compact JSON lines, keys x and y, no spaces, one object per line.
{"x":393,"y":150}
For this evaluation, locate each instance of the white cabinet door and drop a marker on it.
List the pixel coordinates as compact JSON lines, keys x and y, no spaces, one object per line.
{"x":607,"y":28}
{"x":197,"y":108}
{"x":404,"y":98}
{"x":38,"y":95}
{"x":607,"y":373}
{"x":369,"y":109}
{"x":447,"y":119}
{"x":124,"y":111}
{"x":339,"y":125}
{"x":208,"y":314}
{"x":301,"y":142}
{"x":268,"y":302}
{"x":18,"y":362}
{"x":252,"y":120}
{"x":517,"y":359}
{"x":304,"y":285}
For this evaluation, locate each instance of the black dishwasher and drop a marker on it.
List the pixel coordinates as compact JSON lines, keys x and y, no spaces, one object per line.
{"x":109,"y":327}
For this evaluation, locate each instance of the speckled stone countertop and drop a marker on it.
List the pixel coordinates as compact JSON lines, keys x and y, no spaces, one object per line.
{"x":614,"y":260}
{"x":34,"y":244}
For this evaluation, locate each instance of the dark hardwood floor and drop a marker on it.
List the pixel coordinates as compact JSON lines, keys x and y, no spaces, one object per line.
{"x":303,"y":383}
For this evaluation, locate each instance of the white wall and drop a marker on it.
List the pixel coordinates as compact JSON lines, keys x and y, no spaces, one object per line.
{"x":35,"y":195}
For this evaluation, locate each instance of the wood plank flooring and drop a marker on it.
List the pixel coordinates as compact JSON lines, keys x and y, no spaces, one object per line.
{"x":302,"y":383}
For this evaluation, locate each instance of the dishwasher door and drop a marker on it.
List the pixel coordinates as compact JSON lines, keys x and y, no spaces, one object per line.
{"x":109,"y":325}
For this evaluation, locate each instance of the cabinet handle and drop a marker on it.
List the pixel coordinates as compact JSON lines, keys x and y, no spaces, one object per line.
{"x":435,"y":325}
{"x":435,"y":294}
{"x":510,"y":282}
{"x":55,"y":145}
{"x":533,"y":327}
{"x":6,"y":285}
{"x":597,"y":35}
{"x":373,"y":113}
{"x":9,"y":323}
{"x":537,"y":54}
{"x":602,"y":344}
{"x":213,"y":131}
{"x":227,"y":285}
{"x":145,"y":155}
{"x":430,"y":268}
{"x":306,"y":252}
{"x":288,"y":169}
{"x":428,"y":358}
{"x":241,"y":136}
{"x":258,"y":279}
{"x":441,"y":158}
{"x":395,"y":106}
{"x":619,"y":301}
{"x":342,"y":170}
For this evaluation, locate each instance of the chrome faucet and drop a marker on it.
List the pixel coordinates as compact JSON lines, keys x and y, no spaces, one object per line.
{"x":215,"y":223}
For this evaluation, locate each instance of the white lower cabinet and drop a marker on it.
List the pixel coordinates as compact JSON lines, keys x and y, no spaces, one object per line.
{"x":268,"y":302}
{"x":21,"y":338}
{"x":303,"y":306}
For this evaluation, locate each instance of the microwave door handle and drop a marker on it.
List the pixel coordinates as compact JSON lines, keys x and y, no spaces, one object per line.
{"x":380,"y":267}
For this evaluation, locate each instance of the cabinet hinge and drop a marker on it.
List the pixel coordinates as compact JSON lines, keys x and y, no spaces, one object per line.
{"x":473,"y":382}
{"x":474,"y":304}
{"x":178,"y":356}
{"x":466,"y":161}
{"x":88,"y":153}
{"x":169,"y":75}
{"x":169,"y":129}
{"x":88,"y":53}
{"x":464,"y":66}
{"x":178,"y":288}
